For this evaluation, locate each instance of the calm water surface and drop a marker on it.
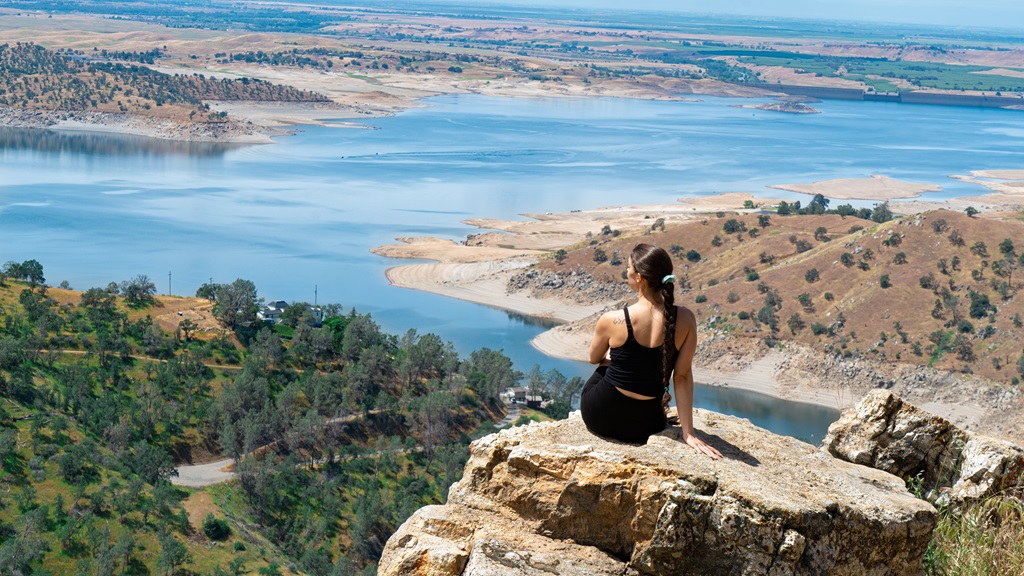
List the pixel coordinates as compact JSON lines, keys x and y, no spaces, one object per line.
{"x":305,"y":211}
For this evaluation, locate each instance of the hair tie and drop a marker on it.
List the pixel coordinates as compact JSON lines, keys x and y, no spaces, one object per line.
{"x":670,"y":279}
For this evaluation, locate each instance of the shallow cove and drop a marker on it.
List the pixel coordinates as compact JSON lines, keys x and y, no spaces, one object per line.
{"x":303,"y":213}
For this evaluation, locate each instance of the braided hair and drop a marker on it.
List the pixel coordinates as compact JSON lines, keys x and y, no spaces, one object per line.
{"x":655,"y":265}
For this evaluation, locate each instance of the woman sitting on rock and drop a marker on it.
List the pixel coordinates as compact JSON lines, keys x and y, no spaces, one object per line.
{"x":637,"y":350}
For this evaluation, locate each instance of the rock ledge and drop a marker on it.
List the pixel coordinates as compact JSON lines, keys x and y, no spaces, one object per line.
{"x":555,"y":499}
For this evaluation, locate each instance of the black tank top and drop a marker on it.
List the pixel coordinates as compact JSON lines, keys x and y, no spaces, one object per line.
{"x":635,"y":367}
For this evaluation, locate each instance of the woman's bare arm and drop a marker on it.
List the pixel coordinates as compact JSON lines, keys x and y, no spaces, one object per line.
{"x":599,"y":345}
{"x":683,"y":380}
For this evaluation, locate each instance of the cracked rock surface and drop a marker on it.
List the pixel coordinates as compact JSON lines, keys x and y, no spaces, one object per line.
{"x":553,"y":498}
{"x":887,"y":433}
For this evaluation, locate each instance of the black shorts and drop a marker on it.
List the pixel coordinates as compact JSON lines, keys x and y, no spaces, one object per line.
{"x":610,"y":413}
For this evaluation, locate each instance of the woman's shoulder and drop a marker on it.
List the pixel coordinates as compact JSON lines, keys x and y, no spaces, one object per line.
{"x":615,"y":316}
{"x":685,"y":316}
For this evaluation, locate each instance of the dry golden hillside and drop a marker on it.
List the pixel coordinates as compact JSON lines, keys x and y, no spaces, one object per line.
{"x":34,"y":78}
{"x":938,"y":289}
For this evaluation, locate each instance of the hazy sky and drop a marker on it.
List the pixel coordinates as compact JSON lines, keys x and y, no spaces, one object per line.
{"x":999,"y":13}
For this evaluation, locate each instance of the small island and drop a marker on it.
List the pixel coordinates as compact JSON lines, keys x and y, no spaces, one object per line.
{"x":787,"y":106}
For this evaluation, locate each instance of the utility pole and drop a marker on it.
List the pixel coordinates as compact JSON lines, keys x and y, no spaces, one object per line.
{"x":168,"y":282}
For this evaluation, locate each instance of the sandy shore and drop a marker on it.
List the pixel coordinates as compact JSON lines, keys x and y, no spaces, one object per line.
{"x":1007,"y":185}
{"x":447,"y":251}
{"x":999,"y":174}
{"x":163,"y":131}
{"x":475,"y":274}
{"x":877,"y":187}
{"x":129,"y":124}
{"x":287,"y":114}
{"x":484,"y":283}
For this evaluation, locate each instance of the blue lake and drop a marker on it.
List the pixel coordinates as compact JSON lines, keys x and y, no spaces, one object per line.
{"x":305,"y":211}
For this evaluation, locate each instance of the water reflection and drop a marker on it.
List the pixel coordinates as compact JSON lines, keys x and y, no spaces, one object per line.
{"x":545,"y":323}
{"x":807,"y":422}
{"x":101,"y":144}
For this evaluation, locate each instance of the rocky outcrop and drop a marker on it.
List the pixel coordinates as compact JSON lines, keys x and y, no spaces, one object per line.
{"x":968,"y":402}
{"x":884,"y":432}
{"x":553,"y":498}
{"x":575,"y":285}
{"x":786,"y":106}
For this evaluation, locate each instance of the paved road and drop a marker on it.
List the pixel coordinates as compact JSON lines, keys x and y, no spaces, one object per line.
{"x":512,"y":416}
{"x":204,"y":474}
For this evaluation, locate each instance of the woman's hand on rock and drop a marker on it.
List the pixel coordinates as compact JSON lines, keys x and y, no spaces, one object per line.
{"x":702,"y":447}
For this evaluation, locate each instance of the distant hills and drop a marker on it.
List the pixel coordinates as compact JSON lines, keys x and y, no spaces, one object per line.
{"x":34,"y":78}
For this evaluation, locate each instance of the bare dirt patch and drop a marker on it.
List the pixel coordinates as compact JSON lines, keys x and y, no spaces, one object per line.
{"x":198,"y":505}
{"x":170,"y":311}
{"x":1002,"y":72}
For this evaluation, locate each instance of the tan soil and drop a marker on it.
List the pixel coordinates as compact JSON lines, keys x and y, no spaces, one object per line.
{"x":782,"y":75}
{"x":198,"y":505}
{"x":1008,"y":186}
{"x":173,"y":309}
{"x":877,"y":187}
{"x":1002,"y":72}
{"x":447,"y":251}
{"x":999,"y":174}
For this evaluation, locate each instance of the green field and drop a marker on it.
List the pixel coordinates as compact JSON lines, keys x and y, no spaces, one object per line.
{"x":921,"y":74}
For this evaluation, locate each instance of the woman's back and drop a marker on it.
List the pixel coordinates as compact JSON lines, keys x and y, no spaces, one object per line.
{"x":648,"y":326}
{"x":639,"y":351}
{"x":636,"y":367}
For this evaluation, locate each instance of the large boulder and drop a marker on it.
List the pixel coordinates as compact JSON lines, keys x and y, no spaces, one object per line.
{"x":553,"y":498}
{"x":956,"y":466}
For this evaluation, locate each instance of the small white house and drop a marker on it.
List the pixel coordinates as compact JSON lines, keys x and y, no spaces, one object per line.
{"x":273,"y":310}
{"x":516,"y":394}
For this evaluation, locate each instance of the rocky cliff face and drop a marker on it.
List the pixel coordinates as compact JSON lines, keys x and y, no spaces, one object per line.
{"x":955,"y":466}
{"x":555,"y":499}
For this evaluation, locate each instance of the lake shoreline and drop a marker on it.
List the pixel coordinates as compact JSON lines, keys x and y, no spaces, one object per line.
{"x":477,"y":271}
{"x":467,"y":273}
{"x":258,"y":122}
{"x":135,"y":125}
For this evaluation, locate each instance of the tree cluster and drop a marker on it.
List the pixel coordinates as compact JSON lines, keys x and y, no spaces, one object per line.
{"x":819,"y":205}
{"x":301,"y":414}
